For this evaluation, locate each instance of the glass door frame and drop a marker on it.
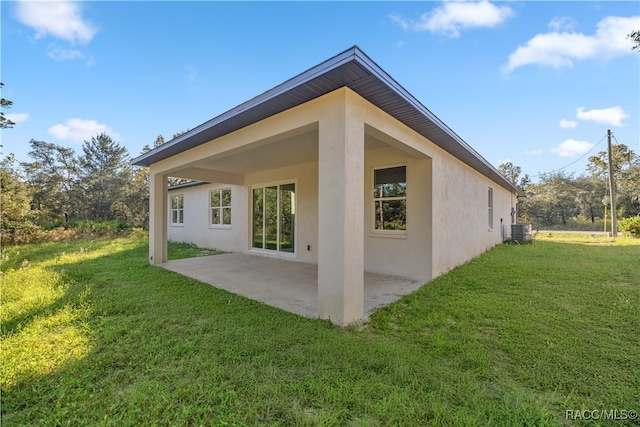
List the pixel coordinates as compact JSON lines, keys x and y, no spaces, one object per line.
{"x":263,"y":186}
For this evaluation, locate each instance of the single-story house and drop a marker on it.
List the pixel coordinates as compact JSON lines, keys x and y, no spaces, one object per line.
{"x":339,"y":166}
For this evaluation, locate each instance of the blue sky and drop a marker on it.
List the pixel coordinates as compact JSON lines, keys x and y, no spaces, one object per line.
{"x":534,"y":83}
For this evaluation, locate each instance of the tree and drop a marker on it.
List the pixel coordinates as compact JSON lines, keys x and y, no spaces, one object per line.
{"x":104,"y":175}
{"x":157,"y":143}
{"x":137,"y":198}
{"x":53,"y":180}
{"x":629,"y":188}
{"x":16,"y":218}
{"x":512,"y":173}
{"x":590,"y":191}
{"x":625,"y":164}
{"x":553,"y":199}
{"x":635,"y":38}
{"x":5,"y":103}
{"x":621,"y":157}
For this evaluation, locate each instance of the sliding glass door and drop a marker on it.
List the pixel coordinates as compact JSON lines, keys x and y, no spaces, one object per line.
{"x":274,"y":210}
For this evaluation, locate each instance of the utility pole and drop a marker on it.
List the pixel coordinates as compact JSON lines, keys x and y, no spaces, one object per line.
{"x":612,"y":189}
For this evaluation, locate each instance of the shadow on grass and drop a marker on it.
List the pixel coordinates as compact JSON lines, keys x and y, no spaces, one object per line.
{"x":485,"y":344}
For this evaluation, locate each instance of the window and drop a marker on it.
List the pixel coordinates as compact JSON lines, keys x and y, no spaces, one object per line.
{"x":221,"y":207}
{"x":490,"y":205}
{"x":390,"y":198}
{"x":177,"y":209}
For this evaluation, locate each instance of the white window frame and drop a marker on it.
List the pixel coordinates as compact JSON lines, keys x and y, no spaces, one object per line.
{"x":220,"y":208}
{"x":490,"y":207}
{"x":178,"y":210}
{"x":375,"y":232}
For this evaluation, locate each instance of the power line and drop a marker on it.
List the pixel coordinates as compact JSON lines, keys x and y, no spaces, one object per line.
{"x":613,"y":135}
{"x":574,"y":162}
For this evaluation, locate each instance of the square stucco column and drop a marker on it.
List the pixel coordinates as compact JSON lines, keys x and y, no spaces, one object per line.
{"x":158,"y":207}
{"x":341,"y":217}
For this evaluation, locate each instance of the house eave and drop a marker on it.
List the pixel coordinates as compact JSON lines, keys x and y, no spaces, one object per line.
{"x":353,"y":69}
{"x":187,"y":185}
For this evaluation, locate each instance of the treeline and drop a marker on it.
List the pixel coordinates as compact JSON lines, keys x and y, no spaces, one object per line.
{"x":98,"y":190}
{"x":565,"y":201}
{"x":59,"y":188}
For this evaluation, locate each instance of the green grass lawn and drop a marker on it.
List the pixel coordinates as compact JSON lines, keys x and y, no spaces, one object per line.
{"x":93,"y":335}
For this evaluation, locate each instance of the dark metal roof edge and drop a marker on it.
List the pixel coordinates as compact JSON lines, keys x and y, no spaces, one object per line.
{"x":287,"y":85}
{"x":373,"y":67}
{"x":354,"y":53}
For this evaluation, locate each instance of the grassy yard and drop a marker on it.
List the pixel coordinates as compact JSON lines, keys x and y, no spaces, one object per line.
{"x":92,"y":335}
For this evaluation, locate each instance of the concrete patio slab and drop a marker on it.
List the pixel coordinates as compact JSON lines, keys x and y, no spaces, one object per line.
{"x":288,"y":285}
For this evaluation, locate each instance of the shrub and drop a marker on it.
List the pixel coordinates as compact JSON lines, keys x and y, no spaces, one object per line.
{"x":630,"y":226}
{"x":48,"y":226}
{"x":18,"y":232}
{"x":26,"y":232}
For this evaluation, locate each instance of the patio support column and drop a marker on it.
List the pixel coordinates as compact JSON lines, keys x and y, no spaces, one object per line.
{"x":341,"y":213}
{"x":158,"y":207}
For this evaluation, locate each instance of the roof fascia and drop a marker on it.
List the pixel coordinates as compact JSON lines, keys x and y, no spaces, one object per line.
{"x":336,"y":61}
{"x":382,"y":75}
{"x":354,"y":54}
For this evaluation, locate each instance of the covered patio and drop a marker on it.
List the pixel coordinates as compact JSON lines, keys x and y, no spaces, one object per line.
{"x":340,"y":168}
{"x":288,"y":285}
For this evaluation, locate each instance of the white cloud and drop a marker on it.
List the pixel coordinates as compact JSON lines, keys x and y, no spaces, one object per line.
{"x":562,"y":23}
{"x":568,"y":124}
{"x":611,"y":116}
{"x":572,"y":147}
{"x":405,"y":24}
{"x":79,"y":130}
{"x":454,"y":16}
{"x":612,"y":33}
{"x":59,"y":54}
{"x":18,"y":117}
{"x":60,"y":19}
{"x":534,"y":152}
{"x":561,"y":49}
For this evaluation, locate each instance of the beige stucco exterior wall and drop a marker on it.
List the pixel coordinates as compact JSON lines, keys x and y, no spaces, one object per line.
{"x":460,"y":211}
{"x":405,"y":254}
{"x":197,"y":228}
{"x":454,"y":225}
